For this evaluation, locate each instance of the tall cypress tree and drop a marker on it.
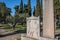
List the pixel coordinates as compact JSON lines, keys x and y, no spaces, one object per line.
{"x":21,"y":6}
{"x":37,"y":12}
{"x":37,"y":2}
{"x":29,"y":7}
{"x":34,"y":11}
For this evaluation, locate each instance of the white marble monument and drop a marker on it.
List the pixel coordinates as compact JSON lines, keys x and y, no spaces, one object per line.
{"x":33,"y":27}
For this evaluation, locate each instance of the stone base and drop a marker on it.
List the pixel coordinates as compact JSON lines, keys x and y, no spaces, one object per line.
{"x":40,"y":38}
{"x":43,"y":38}
{"x":27,"y":38}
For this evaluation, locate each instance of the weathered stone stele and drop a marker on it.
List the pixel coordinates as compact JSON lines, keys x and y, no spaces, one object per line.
{"x":48,"y":19}
{"x":33,"y":27}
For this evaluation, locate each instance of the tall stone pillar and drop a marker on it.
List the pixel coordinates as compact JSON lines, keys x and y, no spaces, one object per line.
{"x":48,"y":19}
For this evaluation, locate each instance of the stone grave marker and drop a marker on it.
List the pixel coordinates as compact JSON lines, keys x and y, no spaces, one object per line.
{"x":33,"y":27}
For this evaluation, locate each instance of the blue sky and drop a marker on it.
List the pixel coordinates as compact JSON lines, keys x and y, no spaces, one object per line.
{"x":11,"y":4}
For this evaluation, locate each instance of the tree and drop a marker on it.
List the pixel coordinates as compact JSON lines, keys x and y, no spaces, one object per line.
{"x":26,"y":10}
{"x":16,"y":9}
{"x":57,"y":12}
{"x":21,"y":7}
{"x":8,"y":11}
{"x":34,"y":11}
{"x":38,"y":9}
{"x":29,"y":7}
{"x":4,"y":12}
{"x":56,"y":7}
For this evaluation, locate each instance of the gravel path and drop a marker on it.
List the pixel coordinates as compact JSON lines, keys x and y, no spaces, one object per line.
{"x":2,"y":30}
{"x":9,"y":35}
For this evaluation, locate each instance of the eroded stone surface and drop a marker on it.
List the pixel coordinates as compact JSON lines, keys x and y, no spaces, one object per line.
{"x":33,"y":27}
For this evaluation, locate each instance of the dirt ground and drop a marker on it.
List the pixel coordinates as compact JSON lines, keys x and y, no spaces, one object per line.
{"x":12,"y":35}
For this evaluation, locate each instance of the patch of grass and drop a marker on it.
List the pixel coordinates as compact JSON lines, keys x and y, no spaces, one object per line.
{"x":20,"y":27}
{"x":57,"y":31}
{"x":6,"y":26}
{"x":58,"y":27}
{"x":10,"y":28}
{"x":0,"y":25}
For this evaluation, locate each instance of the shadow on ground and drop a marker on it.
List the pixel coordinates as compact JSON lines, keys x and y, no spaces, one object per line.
{"x":13,"y":33}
